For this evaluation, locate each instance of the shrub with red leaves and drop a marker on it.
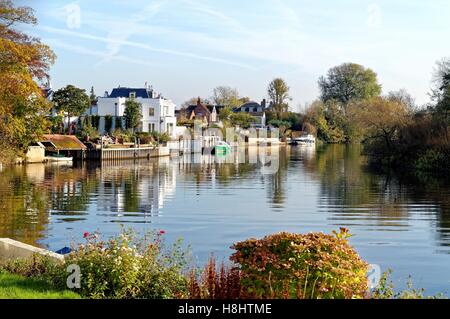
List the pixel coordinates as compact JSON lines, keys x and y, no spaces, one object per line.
{"x":313,"y":265}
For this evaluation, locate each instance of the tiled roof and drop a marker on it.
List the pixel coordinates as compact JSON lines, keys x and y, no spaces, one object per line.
{"x":125,"y":92}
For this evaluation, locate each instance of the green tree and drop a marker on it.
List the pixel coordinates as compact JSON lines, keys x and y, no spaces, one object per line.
{"x":381,"y":120}
{"x":23,"y":61}
{"x":349,"y":81}
{"x":93,"y":98}
{"x":226,"y":96}
{"x":132,"y":114}
{"x":72,"y":101}
{"x":92,"y":95}
{"x":243,"y":120}
{"x":278,"y":92}
{"x":441,"y":92}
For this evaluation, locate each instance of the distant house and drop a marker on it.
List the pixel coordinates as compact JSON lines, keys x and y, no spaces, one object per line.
{"x":208,"y":114}
{"x":257,"y":110}
{"x":158,"y":113}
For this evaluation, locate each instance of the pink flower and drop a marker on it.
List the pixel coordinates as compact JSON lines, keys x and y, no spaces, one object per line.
{"x":85,"y":234}
{"x":162,"y":232}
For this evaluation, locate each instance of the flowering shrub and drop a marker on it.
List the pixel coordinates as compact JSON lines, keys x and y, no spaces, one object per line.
{"x":125,"y":268}
{"x":313,"y":265}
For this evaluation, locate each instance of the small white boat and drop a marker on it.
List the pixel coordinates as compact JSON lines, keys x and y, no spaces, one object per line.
{"x":305,"y":139}
{"x":58,"y":158}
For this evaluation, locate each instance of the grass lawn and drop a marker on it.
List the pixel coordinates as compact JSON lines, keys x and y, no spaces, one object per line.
{"x":18,"y":287}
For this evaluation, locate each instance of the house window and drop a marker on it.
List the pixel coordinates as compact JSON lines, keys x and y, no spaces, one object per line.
{"x":151,"y":127}
{"x":255,"y":109}
{"x":151,"y":111}
{"x":132,"y":95}
{"x":247,"y":109}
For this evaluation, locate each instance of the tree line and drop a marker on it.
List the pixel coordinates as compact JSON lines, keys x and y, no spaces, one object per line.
{"x":351,"y":107}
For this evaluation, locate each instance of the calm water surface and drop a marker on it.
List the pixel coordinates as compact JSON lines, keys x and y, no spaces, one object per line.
{"x":398,"y":224}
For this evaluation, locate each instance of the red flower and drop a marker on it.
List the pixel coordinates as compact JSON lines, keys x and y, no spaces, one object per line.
{"x":162,"y":232}
{"x":85,"y":234}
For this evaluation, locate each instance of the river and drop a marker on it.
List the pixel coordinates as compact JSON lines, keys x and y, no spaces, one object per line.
{"x":397,"y":223}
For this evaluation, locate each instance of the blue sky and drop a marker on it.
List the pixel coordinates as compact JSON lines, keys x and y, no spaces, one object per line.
{"x":185,"y":48}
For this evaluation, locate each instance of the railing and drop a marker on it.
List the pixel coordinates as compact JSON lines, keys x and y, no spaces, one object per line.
{"x":125,"y":153}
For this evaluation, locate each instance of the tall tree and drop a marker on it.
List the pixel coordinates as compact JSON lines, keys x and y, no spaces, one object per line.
{"x":132,"y":114}
{"x":23,"y":61}
{"x":71,"y":101}
{"x":226,"y":96}
{"x":93,"y":98}
{"x":441,"y":92}
{"x":382,"y":118}
{"x":403,"y":97}
{"x":349,"y":81}
{"x":278,"y":92}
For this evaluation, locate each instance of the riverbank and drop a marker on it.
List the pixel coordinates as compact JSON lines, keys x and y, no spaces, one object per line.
{"x":278,"y":266}
{"x":19,"y":287}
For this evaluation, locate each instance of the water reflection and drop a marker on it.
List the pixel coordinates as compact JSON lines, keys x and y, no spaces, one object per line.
{"x":212,"y":202}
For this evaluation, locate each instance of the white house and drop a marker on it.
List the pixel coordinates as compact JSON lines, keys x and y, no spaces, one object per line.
{"x":258,"y":111}
{"x":158,"y":113}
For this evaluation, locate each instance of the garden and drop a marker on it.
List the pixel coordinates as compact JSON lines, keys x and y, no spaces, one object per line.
{"x":278,"y":266}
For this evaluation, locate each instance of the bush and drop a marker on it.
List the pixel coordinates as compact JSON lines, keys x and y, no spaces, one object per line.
{"x":125,"y":268}
{"x":162,"y":138}
{"x":313,"y":265}
{"x":215,"y":282}
{"x":432,"y":161}
{"x":119,"y":268}
{"x":145,"y":138}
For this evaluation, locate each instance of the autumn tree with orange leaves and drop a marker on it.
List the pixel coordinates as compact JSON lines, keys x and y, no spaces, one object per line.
{"x":24,"y":62}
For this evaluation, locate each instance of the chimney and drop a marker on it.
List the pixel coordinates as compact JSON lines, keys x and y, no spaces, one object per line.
{"x":263,"y":104}
{"x":198,"y":101}
{"x":106,"y":94}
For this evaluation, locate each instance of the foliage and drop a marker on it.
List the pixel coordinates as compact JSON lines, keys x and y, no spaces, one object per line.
{"x":92,"y":95}
{"x":23,"y":107}
{"x":417,"y":142}
{"x":18,"y":287}
{"x":385,"y":290}
{"x":349,"y":81}
{"x":216,"y":282}
{"x":225,"y":114}
{"x":123,"y":136}
{"x":432,"y":161}
{"x":278,"y":92}
{"x":88,"y":132}
{"x":313,"y":265}
{"x":95,"y":121}
{"x":108,"y":123}
{"x":72,"y":101}
{"x":328,"y":121}
{"x":132,"y":114}
{"x":118,"y":123}
{"x":280,"y":123}
{"x":123,"y":267}
{"x":145,"y":138}
{"x":241,"y":119}
{"x":226,"y":96}
{"x":161,"y":138}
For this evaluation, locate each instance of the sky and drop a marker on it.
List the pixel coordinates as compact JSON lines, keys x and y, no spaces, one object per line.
{"x":185,"y":48}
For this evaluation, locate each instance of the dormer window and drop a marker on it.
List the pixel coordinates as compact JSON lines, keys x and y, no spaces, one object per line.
{"x":132,"y":95}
